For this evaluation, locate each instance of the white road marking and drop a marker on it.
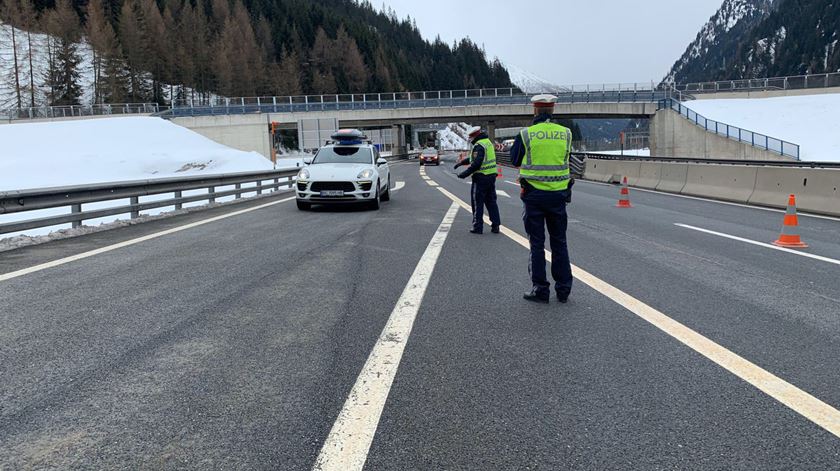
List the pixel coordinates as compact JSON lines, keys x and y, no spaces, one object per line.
{"x":502,"y":193}
{"x":512,"y":183}
{"x":808,"y":406}
{"x":91,"y":253}
{"x":761,"y":244}
{"x":709,"y":200}
{"x":348,"y":443}
{"x":398,"y":186}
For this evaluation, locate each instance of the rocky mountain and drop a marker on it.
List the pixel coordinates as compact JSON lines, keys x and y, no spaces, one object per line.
{"x":763,"y":38}
{"x":711,"y":55}
{"x":529,"y":82}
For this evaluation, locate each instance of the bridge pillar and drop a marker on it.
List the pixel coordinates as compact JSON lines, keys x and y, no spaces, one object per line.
{"x":491,"y":130}
{"x":398,"y":139}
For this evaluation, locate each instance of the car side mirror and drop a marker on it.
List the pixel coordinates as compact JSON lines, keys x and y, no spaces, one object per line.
{"x":307,"y":160}
{"x":380,"y":162}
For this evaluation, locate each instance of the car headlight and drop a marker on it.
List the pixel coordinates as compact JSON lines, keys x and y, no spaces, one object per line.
{"x":303,"y":174}
{"x":365,"y":174}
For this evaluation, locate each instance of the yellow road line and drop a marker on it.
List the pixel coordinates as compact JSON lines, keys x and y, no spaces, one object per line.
{"x":796,"y":399}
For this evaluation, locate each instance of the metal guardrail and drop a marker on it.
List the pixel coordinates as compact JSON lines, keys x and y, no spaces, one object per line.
{"x":75,"y":197}
{"x":755,"y":139}
{"x":404,"y":100}
{"x":77,"y":111}
{"x":796,"y":82}
{"x":694,"y":160}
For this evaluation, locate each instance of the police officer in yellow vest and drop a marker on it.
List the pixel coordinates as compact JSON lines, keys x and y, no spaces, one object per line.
{"x":482,"y":161}
{"x":542,"y":153}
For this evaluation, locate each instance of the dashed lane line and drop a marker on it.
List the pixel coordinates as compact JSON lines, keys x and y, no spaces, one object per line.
{"x":806,"y":405}
{"x":108,"y":248}
{"x":760,"y":244}
{"x":347,"y":445}
{"x":398,"y":186}
{"x":502,"y":193}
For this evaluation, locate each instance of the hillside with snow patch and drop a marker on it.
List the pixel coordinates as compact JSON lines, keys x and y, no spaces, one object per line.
{"x":530,"y":83}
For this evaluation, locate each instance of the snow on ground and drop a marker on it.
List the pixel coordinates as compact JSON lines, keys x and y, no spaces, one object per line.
{"x":810,"y":121}
{"x":631,"y":152}
{"x":38,"y":155}
{"x":453,"y":137}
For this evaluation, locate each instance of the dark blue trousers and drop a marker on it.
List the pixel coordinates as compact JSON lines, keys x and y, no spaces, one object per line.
{"x":547,"y":210}
{"x":484,"y":194}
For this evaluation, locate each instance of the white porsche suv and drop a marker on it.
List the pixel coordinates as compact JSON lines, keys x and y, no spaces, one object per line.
{"x":346,"y":170}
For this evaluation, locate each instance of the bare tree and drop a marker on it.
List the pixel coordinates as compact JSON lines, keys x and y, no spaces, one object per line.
{"x":10,"y":9}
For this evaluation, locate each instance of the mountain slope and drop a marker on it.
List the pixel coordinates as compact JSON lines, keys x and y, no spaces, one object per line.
{"x":712,"y":53}
{"x":528,"y":82}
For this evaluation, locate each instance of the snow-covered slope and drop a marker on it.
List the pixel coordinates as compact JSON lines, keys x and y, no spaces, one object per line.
{"x":454,"y":137}
{"x":8,"y":95}
{"x":810,"y":121}
{"x":34,"y":155}
{"x":528,"y":82}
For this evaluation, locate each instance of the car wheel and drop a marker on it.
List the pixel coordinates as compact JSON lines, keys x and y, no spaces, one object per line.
{"x":303,"y":206}
{"x":387,"y":195}
{"x":374,"y":204}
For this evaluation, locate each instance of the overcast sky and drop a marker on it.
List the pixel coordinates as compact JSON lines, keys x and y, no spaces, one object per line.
{"x":569,"y":42}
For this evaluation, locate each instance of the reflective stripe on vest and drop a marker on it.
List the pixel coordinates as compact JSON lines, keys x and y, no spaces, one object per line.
{"x":547,"y":146}
{"x":488,"y":166}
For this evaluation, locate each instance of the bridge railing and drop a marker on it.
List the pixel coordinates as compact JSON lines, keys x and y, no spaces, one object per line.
{"x":736,"y":133}
{"x":403,"y":100}
{"x":796,"y":82}
{"x":71,"y":111}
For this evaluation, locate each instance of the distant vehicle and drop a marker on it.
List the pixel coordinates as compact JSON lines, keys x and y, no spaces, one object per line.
{"x":348,"y":169}
{"x":429,"y":156}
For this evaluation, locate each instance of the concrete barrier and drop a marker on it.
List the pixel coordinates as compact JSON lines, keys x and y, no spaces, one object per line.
{"x":724,"y":182}
{"x":649,"y":175}
{"x":816,"y":190}
{"x":672,"y":177}
{"x":611,"y":171}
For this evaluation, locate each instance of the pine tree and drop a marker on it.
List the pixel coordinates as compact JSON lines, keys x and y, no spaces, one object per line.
{"x":288,"y":82}
{"x":29,"y":21}
{"x":63,"y":68}
{"x":131,"y":39}
{"x":320,"y":59}
{"x":353,"y":70}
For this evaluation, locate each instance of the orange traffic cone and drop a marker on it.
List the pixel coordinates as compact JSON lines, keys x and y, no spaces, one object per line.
{"x":624,"y":198}
{"x":499,"y":171}
{"x":790,"y":235}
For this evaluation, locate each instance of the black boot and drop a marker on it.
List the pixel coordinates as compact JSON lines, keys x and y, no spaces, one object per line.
{"x":494,"y":229}
{"x":535,"y":297}
{"x":476,"y":231}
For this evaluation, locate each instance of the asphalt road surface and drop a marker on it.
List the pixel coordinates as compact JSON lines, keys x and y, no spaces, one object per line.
{"x":252,"y":341}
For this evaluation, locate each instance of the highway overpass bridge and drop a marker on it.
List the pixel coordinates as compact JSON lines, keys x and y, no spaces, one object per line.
{"x":244,"y":123}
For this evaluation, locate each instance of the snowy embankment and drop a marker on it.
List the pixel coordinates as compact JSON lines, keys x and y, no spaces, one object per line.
{"x":38,"y":155}
{"x":454,"y":137}
{"x":810,"y":121}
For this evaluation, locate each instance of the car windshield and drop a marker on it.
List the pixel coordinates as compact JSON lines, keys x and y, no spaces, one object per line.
{"x":343,"y":155}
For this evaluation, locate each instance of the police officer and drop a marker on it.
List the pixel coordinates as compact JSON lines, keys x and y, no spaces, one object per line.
{"x":542,"y":153}
{"x":482,"y":161}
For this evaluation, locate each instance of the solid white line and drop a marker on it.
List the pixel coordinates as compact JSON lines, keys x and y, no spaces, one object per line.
{"x":73,"y":258}
{"x":761,"y":244}
{"x":502,"y":193}
{"x":810,"y":407}
{"x":348,"y":443}
{"x":709,"y":200}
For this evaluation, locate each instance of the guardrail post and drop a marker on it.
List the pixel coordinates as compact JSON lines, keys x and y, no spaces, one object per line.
{"x":211,"y":192}
{"x":276,"y":184}
{"x":238,"y":193}
{"x":291,"y":181}
{"x":178,"y":205}
{"x":134,"y":201}
{"x":75,"y":209}
{"x":259,"y":187}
